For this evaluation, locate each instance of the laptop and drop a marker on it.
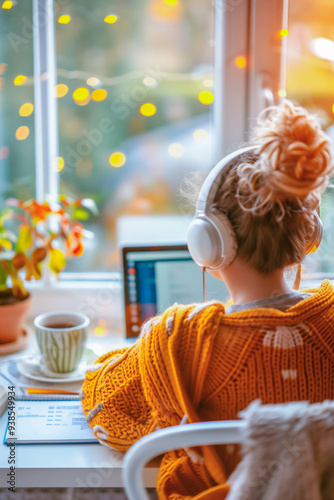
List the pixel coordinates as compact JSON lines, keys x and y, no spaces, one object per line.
{"x":157,"y":276}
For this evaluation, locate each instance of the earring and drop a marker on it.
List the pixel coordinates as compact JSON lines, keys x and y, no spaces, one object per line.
{"x":298,"y":277}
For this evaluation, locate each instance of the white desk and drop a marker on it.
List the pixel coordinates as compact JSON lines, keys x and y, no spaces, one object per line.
{"x":65,"y":466}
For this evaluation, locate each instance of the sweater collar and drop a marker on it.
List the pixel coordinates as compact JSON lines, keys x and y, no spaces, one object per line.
{"x":321,"y":299}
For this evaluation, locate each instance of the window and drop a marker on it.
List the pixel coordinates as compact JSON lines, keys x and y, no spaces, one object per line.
{"x":310,"y":81}
{"x":124,"y":94}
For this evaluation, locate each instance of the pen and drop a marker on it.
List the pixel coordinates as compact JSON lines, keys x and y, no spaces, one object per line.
{"x":31,"y":390}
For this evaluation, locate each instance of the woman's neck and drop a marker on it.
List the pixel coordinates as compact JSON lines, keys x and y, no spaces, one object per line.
{"x":246,"y":284}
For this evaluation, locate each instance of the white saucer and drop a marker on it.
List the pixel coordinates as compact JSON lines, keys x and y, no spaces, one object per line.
{"x":33,"y":368}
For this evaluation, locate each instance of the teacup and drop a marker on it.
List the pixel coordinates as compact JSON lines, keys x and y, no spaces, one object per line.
{"x":61,"y":337}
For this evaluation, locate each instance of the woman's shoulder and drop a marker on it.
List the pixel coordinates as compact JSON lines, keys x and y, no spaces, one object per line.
{"x":180,"y":318}
{"x":193,"y":311}
{"x":325,"y":289}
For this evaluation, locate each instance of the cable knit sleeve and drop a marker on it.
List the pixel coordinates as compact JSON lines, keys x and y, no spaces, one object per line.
{"x":113,"y":399}
{"x":129,"y":393}
{"x":115,"y":402}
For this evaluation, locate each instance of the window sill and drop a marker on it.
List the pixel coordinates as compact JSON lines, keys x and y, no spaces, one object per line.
{"x":99,"y":300}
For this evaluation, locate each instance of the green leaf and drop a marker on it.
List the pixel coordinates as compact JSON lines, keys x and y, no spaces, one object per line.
{"x":80,"y":214}
{"x":3,"y":278}
{"x":25,"y":240}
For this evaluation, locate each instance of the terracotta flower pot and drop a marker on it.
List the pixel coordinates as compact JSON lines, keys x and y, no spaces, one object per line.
{"x":12,"y":316}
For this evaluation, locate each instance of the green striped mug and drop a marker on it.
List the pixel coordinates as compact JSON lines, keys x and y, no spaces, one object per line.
{"x":61,"y":338}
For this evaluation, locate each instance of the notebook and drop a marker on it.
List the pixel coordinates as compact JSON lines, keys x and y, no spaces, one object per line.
{"x":47,"y":420}
{"x":157,"y":276}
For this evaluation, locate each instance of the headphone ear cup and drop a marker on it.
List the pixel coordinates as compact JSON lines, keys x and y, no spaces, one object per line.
{"x":204,"y":242}
{"x":211,"y":241}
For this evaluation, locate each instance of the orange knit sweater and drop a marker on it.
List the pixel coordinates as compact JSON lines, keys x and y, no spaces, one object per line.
{"x":195,"y":363}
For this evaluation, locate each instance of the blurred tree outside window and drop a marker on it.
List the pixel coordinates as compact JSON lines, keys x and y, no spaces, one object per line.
{"x":17,"y":131}
{"x":135,"y":97}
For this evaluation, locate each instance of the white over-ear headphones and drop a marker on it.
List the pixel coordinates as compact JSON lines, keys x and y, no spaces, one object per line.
{"x":211,"y":239}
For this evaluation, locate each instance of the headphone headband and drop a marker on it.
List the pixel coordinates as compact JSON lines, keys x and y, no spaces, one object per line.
{"x":212,"y":182}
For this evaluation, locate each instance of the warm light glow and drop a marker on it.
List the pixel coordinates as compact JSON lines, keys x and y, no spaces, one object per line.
{"x":83,"y":103}
{"x":7,"y":4}
{"x":80,"y":94}
{"x":206,"y":97}
{"x":333,"y":108}
{"x":111,"y":19}
{"x":323,"y":48}
{"x":99,"y":95}
{"x":117,"y":159}
{"x":93,"y":81}
{"x":176,"y":150}
{"x":26,"y":109}
{"x":102,"y":329}
{"x":148,"y":109}
{"x":99,"y":332}
{"x":64,"y":19}
{"x":208,"y":82}
{"x":149,"y":81}
{"x":22,"y":133}
{"x":240,"y":61}
{"x":201,"y":135}
{"x":168,"y":10}
{"x":282,"y":93}
{"x":4,"y":152}
{"x":283,"y":32}
{"x":20,"y":80}
{"x":61,"y":89}
{"x":58,"y":164}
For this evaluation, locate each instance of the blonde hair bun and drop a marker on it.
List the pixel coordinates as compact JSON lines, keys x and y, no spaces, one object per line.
{"x":293,"y":160}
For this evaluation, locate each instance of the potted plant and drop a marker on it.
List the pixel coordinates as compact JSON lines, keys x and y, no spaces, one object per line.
{"x":32,"y":233}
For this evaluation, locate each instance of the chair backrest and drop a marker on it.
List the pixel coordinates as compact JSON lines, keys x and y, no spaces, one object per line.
{"x":171,"y":438}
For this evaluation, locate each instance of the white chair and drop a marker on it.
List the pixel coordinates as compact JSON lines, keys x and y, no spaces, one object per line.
{"x":294,"y":446}
{"x":172,"y":438}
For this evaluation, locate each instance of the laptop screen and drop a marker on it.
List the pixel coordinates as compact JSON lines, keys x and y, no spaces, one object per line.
{"x":156,"y":277}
